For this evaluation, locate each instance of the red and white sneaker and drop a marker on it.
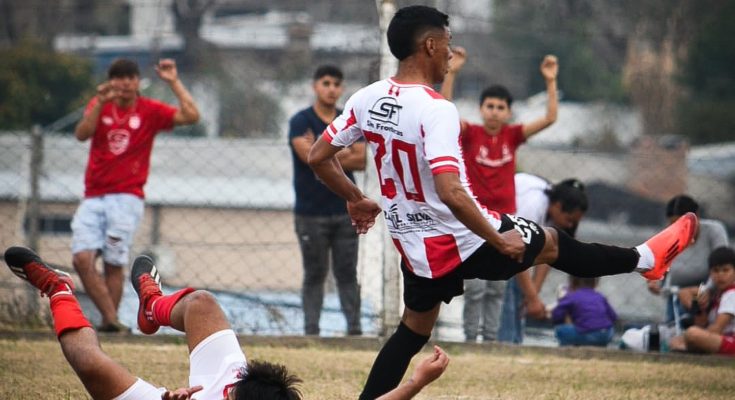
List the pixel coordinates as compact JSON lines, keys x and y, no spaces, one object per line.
{"x":147,"y":283}
{"x":27,"y":265}
{"x":669,"y":243}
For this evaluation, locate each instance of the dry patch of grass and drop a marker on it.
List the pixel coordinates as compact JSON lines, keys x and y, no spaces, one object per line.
{"x":36,"y":369}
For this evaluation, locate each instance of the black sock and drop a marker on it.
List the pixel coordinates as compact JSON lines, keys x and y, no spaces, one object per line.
{"x":590,"y":260}
{"x":391,"y":363}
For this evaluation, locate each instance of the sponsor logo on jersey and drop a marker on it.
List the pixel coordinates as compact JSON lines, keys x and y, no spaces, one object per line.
{"x":421,"y":219}
{"x":386,"y":110}
{"x":379,"y":126}
{"x":394,"y":220}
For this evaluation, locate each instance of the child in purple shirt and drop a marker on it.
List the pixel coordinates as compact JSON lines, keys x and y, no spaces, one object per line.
{"x":583,"y":316}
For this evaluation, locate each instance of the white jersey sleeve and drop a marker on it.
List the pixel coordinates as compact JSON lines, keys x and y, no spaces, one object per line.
{"x":345,"y":129}
{"x":440,"y":127}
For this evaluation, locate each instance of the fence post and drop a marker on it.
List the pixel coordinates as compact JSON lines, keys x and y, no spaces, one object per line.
{"x":34,"y":199}
{"x":390,"y":271}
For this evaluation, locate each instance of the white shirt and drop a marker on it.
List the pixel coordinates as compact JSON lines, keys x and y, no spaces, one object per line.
{"x":414,"y":134}
{"x":532,"y":202}
{"x":726,"y":306}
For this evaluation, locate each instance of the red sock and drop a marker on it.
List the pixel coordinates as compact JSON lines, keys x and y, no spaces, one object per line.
{"x":67,"y":314}
{"x":163,"y":305}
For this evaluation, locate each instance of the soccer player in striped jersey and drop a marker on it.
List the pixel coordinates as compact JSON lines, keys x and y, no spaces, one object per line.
{"x":442,"y":233}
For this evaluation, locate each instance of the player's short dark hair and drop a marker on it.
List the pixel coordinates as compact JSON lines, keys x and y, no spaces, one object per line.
{"x":680,"y":205}
{"x":122,"y":68}
{"x":723,"y":255}
{"x":408,"y":24}
{"x":496,"y":92}
{"x":328,"y":70}
{"x":570,"y":194}
{"x":266,"y":381}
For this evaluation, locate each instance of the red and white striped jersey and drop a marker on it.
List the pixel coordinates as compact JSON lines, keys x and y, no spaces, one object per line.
{"x":413,"y":133}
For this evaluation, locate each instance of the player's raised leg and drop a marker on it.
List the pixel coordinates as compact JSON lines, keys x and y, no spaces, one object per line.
{"x":194,"y":312}
{"x":652,"y":259}
{"x":102,"y":376}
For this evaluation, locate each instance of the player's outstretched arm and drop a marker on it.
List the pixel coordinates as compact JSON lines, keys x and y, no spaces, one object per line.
{"x":324,"y":163}
{"x":459,"y":57}
{"x":188,"y":113}
{"x":549,"y":70}
{"x":430,"y":369}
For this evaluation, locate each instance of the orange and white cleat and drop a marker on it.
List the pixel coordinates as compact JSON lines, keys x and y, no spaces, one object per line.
{"x":669,"y":243}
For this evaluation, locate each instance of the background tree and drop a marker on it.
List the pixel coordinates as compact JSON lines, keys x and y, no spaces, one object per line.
{"x":587,"y":36}
{"x":38,"y":86}
{"x":706,"y":114}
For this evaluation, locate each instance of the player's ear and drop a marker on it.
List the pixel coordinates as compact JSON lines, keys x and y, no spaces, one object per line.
{"x":430,"y":45}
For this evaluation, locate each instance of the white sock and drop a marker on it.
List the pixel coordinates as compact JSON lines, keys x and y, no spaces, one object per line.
{"x":646,"y":259}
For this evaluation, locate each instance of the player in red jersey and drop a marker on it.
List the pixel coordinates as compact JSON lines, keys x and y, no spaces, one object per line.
{"x":122,"y":125}
{"x":218,"y":368}
{"x":443,"y":235}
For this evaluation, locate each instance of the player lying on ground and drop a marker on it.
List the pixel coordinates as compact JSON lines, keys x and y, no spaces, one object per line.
{"x":218,"y":368}
{"x":441,"y":232}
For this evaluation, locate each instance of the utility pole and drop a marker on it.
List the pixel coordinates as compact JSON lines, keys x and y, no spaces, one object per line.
{"x":378,"y":238}
{"x":34,"y":200}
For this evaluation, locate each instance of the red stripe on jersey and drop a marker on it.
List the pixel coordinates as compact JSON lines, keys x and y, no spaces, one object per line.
{"x":445,"y":168}
{"x":327,"y":137}
{"x":442,"y":254}
{"x":443,"y":158}
{"x":351,"y":120}
{"x":434,"y":94}
{"x":397,"y":243}
{"x":332,"y":129}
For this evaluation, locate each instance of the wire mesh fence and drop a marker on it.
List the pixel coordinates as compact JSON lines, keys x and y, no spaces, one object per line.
{"x":218,"y":216}
{"x":219,"y":199}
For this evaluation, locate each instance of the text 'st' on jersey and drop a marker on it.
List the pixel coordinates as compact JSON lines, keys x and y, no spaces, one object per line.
{"x":414,"y":134}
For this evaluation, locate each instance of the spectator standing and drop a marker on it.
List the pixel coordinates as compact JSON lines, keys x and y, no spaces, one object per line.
{"x":322,"y":224}
{"x":690,"y":269}
{"x":122,"y":125}
{"x":489,"y":155}
{"x":583,"y":317}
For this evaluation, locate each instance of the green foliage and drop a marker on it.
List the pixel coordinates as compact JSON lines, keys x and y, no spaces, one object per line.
{"x":709,"y":75}
{"x":578,"y":33}
{"x":38,"y":86}
{"x":707,"y":121}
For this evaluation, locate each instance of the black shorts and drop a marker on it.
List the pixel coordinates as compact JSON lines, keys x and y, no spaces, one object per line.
{"x":422,"y":294}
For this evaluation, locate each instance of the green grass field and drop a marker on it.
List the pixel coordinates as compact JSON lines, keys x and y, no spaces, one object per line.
{"x":34,"y":368}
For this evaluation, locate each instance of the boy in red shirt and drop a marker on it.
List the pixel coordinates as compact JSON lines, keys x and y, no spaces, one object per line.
{"x":489,"y":152}
{"x":122,"y":125}
{"x":718,"y":335}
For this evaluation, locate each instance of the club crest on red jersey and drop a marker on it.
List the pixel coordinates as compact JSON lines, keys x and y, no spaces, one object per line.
{"x":118,"y":141}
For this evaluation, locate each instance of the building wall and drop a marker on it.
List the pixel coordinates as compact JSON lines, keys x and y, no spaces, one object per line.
{"x":216,"y":248}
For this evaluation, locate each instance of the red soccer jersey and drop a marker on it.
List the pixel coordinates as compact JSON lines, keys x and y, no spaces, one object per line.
{"x":490,"y":163}
{"x":120,"y":155}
